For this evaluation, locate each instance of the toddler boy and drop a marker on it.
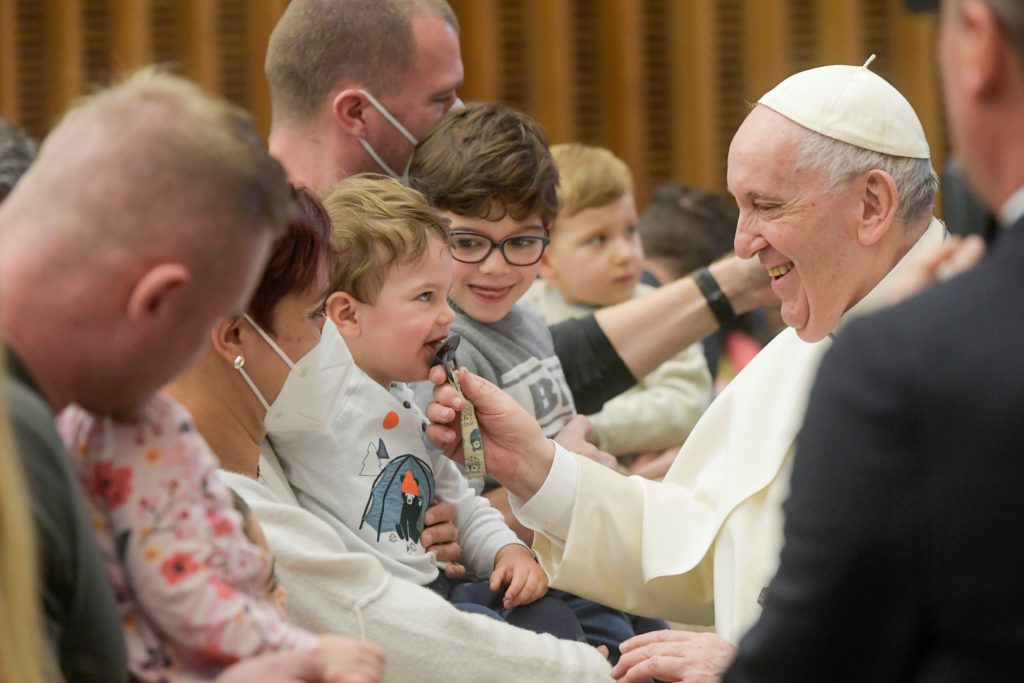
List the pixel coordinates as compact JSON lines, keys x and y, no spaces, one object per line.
{"x":370,"y":473}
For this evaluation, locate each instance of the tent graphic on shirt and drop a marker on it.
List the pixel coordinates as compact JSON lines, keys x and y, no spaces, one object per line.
{"x":399,"y":497}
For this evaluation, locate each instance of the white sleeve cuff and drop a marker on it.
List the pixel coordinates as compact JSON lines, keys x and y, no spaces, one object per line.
{"x":550,"y":509}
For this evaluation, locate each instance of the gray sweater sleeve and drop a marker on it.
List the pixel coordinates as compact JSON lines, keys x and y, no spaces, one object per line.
{"x":593,"y":369}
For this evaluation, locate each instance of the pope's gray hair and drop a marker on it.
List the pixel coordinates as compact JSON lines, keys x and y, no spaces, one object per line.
{"x":915,"y":179}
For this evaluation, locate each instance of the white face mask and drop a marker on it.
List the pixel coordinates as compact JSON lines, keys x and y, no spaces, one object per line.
{"x":402,"y":177}
{"x":311,"y":397}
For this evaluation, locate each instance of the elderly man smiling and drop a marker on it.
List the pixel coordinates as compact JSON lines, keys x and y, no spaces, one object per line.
{"x":832,"y":175}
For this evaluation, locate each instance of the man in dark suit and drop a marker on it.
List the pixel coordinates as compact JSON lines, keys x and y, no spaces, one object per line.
{"x":903,"y":558}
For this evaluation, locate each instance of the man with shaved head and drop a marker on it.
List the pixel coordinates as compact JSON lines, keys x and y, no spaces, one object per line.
{"x":356,"y":83}
{"x":147,"y":216}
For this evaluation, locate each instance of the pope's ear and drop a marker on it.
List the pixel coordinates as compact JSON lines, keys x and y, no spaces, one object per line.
{"x":226,"y":337}
{"x":878,"y":207}
{"x":343,"y":313}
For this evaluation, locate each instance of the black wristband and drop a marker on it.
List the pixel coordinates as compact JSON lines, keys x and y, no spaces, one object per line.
{"x":718,"y":302}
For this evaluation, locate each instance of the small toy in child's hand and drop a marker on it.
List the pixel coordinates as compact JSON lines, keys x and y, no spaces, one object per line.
{"x":472,"y":444}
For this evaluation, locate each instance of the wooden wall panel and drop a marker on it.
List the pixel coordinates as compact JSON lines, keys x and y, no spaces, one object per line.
{"x":9,"y":64}
{"x":655,"y":79}
{"x":621,"y":85}
{"x":841,"y":31}
{"x":132,"y":40}
{"x":66,"y":72}
{"x":262,"y":17}
{"x":918,"y":79}
{"x":663,"y":83}
{"x":693,"y":91}
{"x":550,"y":67}
{"x":481,"y":53}
{"x":35,"y":107}
{"x":731,"y":83}
{"x":168,"y":35}
{"x":765,"y":36}
{"x":199,"y":24}
{"x":587,"y":62}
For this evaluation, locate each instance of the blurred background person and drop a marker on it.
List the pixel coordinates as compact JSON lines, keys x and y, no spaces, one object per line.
{"x":686,"y":228}
{"x":17,"y":152}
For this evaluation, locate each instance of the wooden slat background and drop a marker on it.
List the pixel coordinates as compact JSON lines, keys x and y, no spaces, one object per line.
{"x":663,"y":83}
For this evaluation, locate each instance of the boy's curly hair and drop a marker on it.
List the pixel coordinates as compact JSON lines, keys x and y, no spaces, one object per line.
{"x":487,"y":161}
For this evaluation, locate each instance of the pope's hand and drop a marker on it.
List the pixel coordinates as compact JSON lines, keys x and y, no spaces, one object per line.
{"x":516,"y":451}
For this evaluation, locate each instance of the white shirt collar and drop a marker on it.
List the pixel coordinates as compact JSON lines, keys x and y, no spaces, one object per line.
{"x":1013,"y":209}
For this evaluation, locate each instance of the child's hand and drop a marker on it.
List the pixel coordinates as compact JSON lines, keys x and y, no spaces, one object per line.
{"x":514,"y":565}
{"x":454,"y":571}
{"x":350,"y":660}
{"x":654,"y":465}
{"x":573,"y":436}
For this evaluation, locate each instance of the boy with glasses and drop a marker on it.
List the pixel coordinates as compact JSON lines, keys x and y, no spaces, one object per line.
{"x":487,"y":168}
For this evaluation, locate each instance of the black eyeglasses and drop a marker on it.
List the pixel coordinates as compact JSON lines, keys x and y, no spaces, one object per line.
{"x":518,"y":250}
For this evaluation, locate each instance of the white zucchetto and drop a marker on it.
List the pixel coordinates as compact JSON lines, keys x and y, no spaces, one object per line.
{"x":851,"y":104}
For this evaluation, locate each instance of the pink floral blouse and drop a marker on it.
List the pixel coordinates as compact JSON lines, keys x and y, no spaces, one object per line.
{"x":190,"y":587}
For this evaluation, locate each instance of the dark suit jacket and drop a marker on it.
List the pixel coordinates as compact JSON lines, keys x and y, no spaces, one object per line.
{"x":904,"y":537}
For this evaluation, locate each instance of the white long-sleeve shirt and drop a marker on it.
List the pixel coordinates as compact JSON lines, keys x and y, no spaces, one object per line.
{"x":372,"y":475}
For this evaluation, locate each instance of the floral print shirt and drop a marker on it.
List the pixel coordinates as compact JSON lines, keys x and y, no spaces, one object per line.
{"x":191,"y":588}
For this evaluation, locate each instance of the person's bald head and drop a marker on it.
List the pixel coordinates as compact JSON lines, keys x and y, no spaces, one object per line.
{"x":319,"y":43}
{"x":147,"y":215}
{"x":154,"y":159}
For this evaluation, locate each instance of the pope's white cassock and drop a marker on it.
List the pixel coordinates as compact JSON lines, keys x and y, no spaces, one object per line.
{"x":702,"y":545}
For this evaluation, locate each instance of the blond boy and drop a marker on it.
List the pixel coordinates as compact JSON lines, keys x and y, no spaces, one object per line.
{"x":595,"y":259}
{"x":369,"y":472}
